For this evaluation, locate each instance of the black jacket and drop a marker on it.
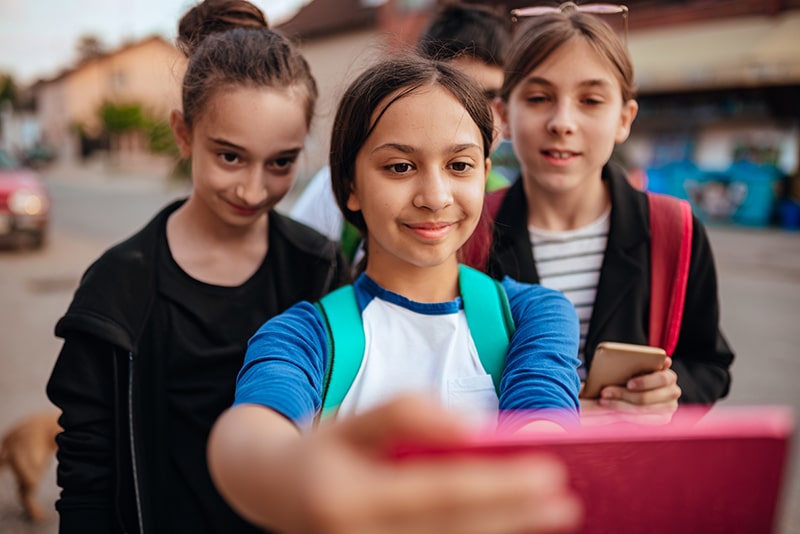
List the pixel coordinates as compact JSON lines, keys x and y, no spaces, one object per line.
{"x":103,"y":383}
{"x":702,"y":357}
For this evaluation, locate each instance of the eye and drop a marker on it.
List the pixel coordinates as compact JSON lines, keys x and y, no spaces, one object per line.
{"x":229,"y":157}
{"x":283,"y":163}
{"x":400,"y":168}
{"x":491,"y":94}
{"x":537,"y":99}
{"x":461,"y":166}
{"x":592,"y":101}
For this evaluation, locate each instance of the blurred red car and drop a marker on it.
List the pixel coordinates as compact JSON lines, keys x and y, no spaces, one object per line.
{"x":24,"y":204}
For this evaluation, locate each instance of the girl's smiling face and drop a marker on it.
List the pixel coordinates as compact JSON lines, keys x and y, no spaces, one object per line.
{"x":419,"y":181}
{"x":564,"y":118}
{"x":244,"y":151}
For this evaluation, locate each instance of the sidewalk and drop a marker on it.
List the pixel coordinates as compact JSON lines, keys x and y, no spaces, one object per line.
{"x":98,"y":171}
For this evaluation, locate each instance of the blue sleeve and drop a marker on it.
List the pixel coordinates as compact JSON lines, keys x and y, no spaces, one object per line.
{"x":540,"y":380}
{"x":285,"y":364}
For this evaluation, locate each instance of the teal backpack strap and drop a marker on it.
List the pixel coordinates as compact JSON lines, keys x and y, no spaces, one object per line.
{"x":489,"y":319}
{"x":345,"y":345}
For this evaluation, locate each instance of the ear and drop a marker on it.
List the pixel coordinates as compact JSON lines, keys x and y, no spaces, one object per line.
{"x":353,"y":203}
{"x":488,"y":167}
{"x":500,"y":108}
{"x":629,"y":111}
{"x":181,"y":132}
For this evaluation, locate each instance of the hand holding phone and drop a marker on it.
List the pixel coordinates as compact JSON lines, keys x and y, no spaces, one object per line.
{"x":614,"y":364}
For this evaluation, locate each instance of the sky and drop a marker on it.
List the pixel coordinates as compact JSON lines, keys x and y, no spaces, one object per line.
{"x":38,"y":37}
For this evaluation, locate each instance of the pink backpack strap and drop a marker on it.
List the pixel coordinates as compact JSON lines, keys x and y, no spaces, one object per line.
{"x":670,"y":254}
{"x":475,"y":252}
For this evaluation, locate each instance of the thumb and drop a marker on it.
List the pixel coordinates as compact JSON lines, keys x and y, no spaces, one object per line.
{"x":407,"y":418}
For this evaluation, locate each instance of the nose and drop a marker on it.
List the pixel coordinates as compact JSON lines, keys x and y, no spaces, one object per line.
{"x":251,"y":190}
{"x":434,"y":190}
{"x":562,"y":121}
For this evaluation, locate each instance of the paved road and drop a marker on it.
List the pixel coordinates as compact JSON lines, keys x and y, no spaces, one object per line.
{"x":759,"y":289}
{"x":90,"y":213}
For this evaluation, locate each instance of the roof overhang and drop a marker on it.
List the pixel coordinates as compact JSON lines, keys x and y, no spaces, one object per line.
{"x":730,"y":53}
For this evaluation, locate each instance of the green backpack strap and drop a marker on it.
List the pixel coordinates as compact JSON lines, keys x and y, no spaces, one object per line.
{"x":345,"y":345}
{"x":489,"y":318}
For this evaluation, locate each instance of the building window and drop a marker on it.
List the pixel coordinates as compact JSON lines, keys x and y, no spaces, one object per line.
{"x":118,"y":79}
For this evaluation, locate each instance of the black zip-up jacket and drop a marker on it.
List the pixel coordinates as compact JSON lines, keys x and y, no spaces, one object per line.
{"x":702,"y":357}
{"x":103,"y":383}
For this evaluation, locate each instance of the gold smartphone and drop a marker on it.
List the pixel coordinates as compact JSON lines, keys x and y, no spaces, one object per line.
{"x":614,"y":364}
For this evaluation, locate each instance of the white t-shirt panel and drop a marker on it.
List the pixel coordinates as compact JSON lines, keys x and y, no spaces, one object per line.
{"x":423,"y":348}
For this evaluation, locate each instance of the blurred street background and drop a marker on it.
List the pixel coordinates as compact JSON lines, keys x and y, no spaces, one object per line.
{"x":759,"y":272}
{"x":86,"y":88}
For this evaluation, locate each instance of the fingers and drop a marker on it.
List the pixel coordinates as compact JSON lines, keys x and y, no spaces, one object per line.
{"x":351,"y":487}
{"x":410,"y":418}
{"x":659,"y":379}
{"x":475,"y":495}
{"x":653,"y":388}
{"x":647,"y":399}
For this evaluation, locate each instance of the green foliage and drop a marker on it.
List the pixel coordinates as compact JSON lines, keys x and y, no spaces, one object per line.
{"x":119,"y":118}
{"x":161,"y":141}
{"x":8,"y":89}
{"x":159,"y":137}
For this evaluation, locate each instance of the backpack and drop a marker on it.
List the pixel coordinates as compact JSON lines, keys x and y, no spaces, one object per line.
{"x":488,"y":316}
{"x":670,"y":256}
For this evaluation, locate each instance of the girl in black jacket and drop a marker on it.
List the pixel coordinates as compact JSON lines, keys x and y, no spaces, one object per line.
{"x":574,"y":223}
{"x":158,"y":328}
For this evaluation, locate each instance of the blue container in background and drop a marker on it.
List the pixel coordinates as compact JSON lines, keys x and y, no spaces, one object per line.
{"x":789,"y":211}
{"x":760,"y":185}
{"x":671,"y":178}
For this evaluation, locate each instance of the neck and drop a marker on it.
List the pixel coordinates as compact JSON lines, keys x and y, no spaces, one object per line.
{"x":566,"y":210}
{"x":212,"y":252}
{"x":438,"y":283}
{"x":197,"y":223}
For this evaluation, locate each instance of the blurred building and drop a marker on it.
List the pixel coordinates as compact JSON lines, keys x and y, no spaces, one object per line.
{"x":144,"y":73}
{"x":718,"y":80}
{"x":719,"y":88}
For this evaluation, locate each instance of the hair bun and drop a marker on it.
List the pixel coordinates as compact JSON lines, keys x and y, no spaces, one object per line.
{"x":216,"y":16}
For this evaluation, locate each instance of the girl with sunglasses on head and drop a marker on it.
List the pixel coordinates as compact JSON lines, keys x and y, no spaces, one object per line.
{"x":158,"y":328}
{"x":573,"y":222}
{"x":409,"y":159}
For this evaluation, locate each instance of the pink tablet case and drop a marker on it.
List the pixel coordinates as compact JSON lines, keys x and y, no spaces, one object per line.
{"x":722,"y":473}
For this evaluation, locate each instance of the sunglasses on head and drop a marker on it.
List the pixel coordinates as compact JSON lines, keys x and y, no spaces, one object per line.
{"x":594,"y":9}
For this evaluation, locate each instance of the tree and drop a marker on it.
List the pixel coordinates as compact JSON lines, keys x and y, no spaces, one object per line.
{"x":8,"y":89}
{"x":89,"y":46}
{"x":120,"y":118}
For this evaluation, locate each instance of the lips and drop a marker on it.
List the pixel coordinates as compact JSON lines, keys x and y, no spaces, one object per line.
{"x":244,"y":210}
{"x":559,"y":154}
{"x":559,"y":158}
{"x":430,"y":231}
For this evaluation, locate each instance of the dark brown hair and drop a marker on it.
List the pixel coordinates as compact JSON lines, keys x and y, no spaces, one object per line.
{"x":229,"y":43}
{"x":466,"y":30}
{"x":536,"y":38}
{"x":372,"y":93}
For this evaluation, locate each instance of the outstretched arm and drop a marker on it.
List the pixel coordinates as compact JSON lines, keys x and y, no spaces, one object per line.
{"x":339,"y":479}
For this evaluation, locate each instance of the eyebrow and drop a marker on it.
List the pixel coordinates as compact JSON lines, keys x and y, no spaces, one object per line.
{"x":408,"y":149}
{"x":225,"y":143}
{"x":593,"y":82}
{"x":234,"y":146}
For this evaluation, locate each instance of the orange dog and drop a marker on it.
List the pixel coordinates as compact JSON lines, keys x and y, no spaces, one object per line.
{"x":27,"y":448}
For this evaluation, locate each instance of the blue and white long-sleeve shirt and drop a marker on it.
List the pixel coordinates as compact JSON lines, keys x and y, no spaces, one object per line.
{"x":422,"y":347}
